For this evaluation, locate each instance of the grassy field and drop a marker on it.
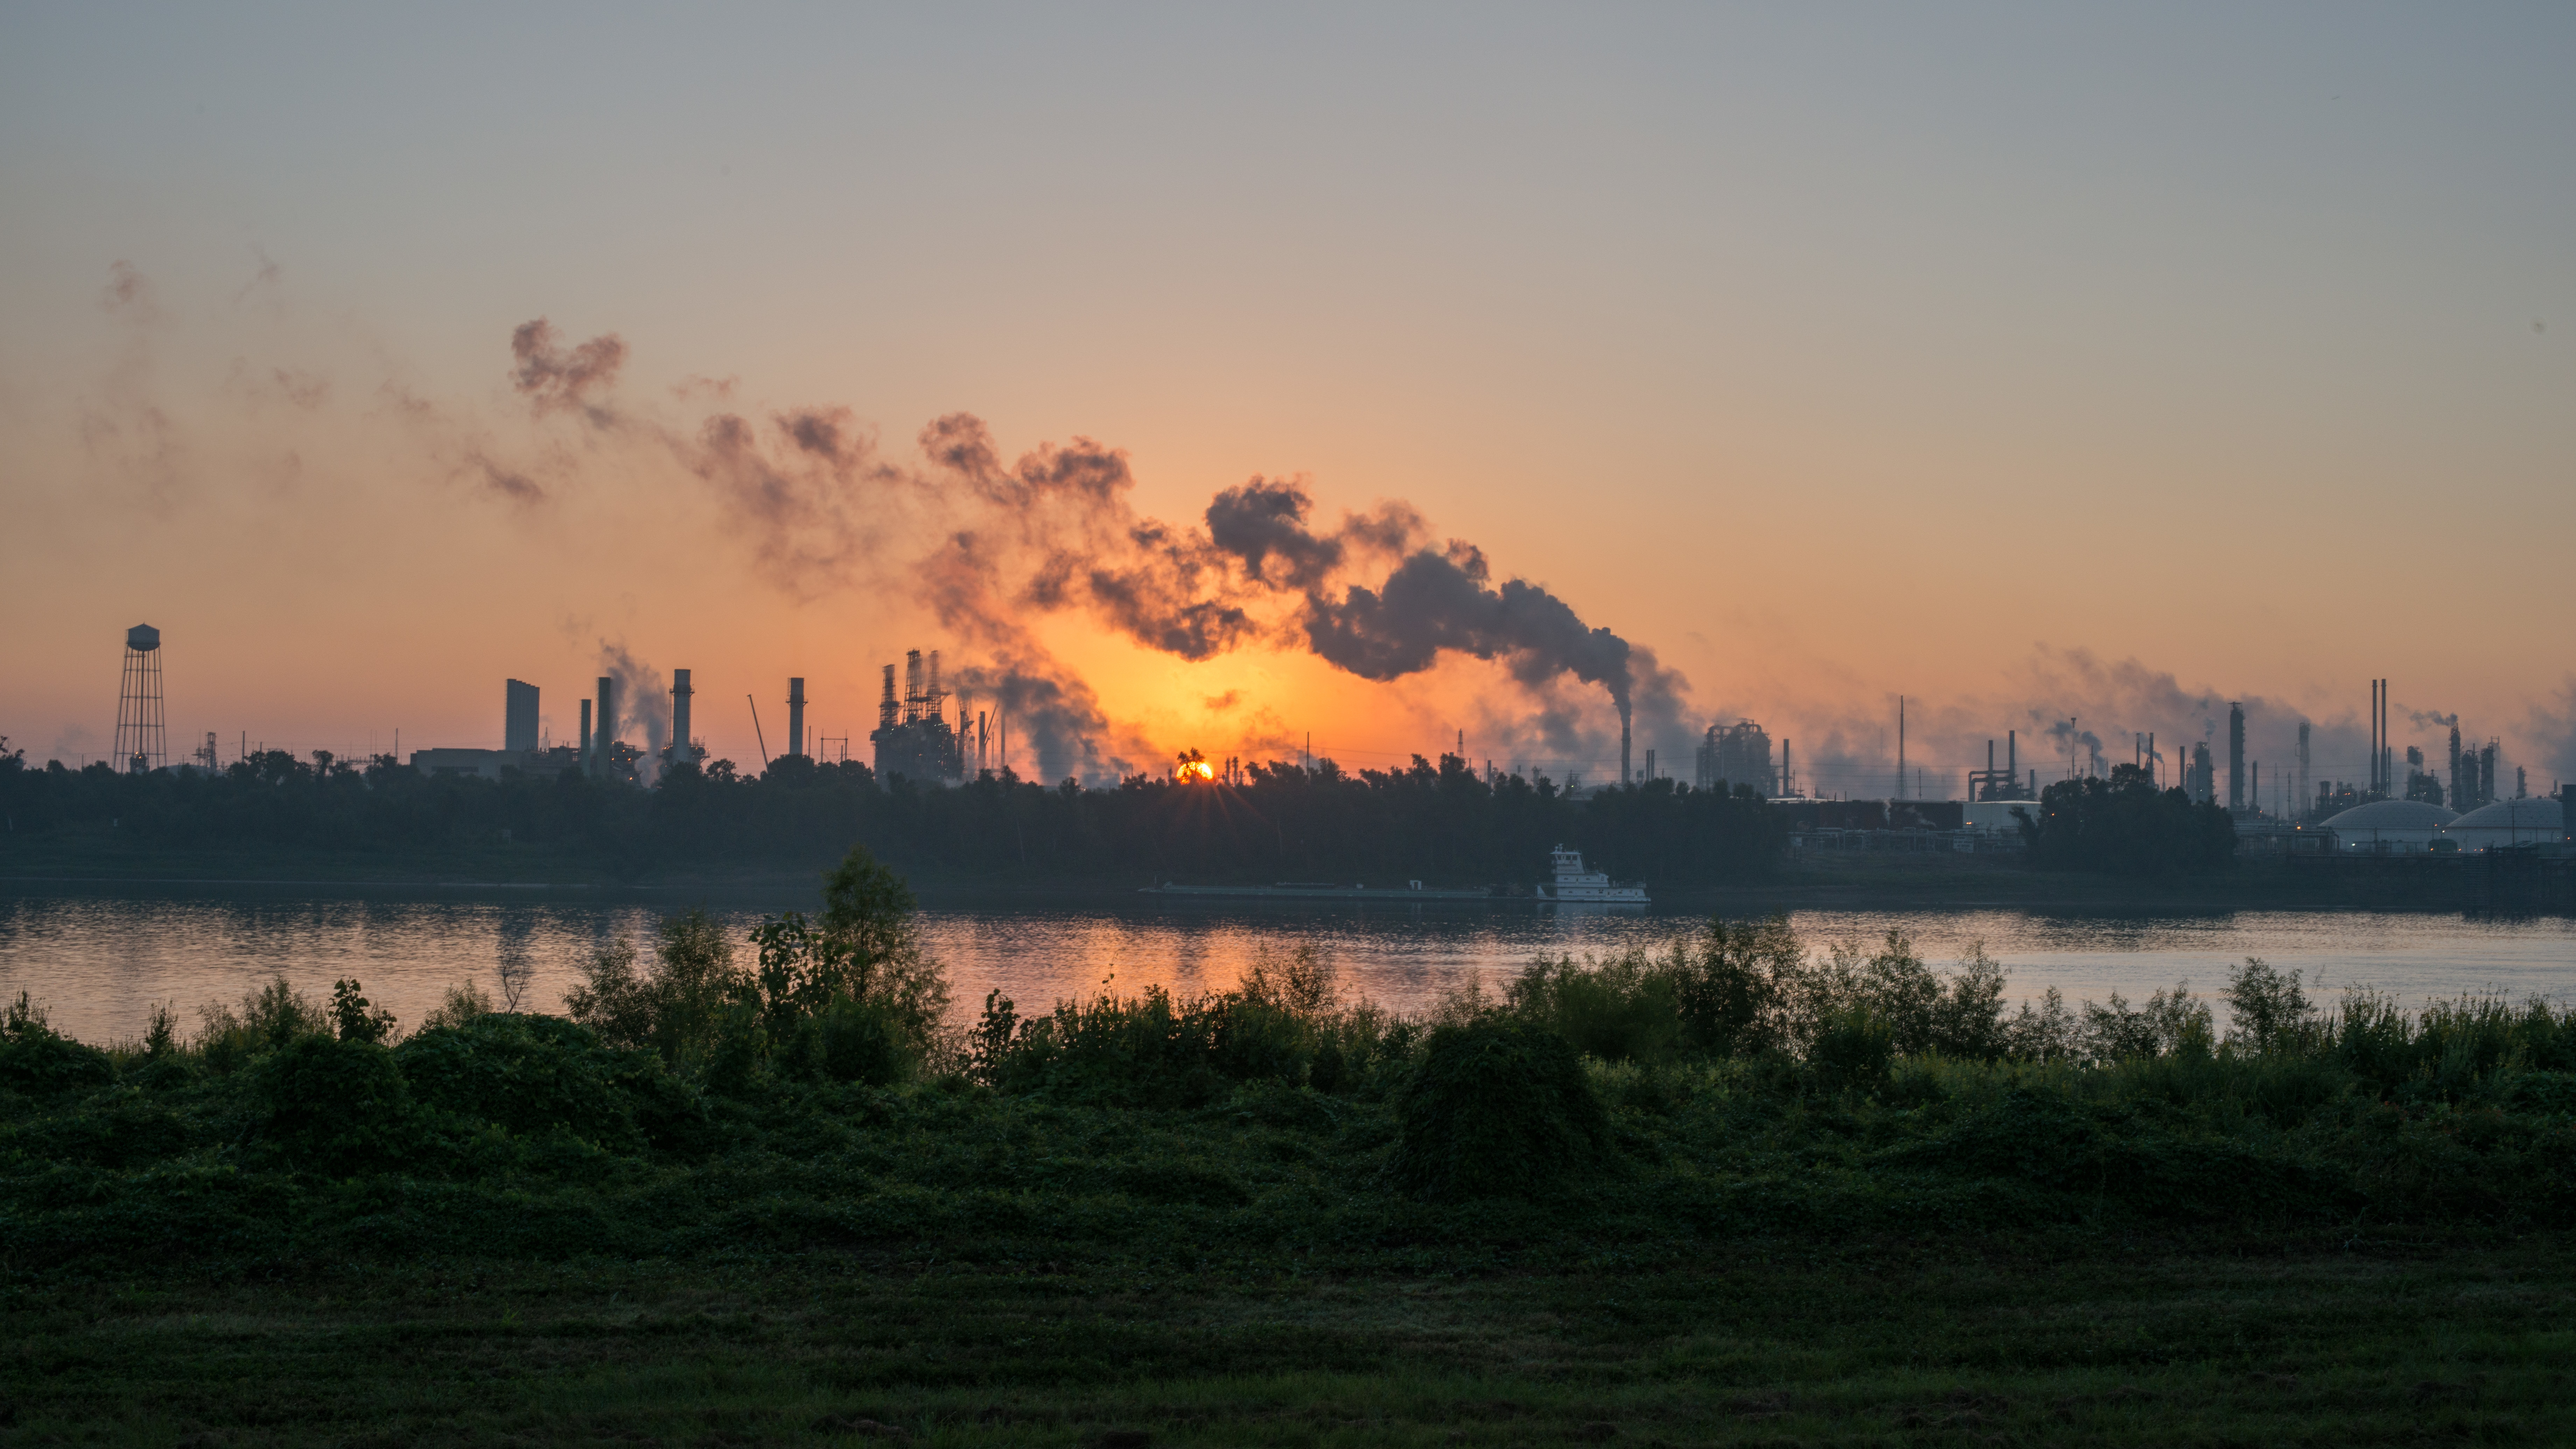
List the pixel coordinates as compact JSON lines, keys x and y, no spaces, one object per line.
{"x":1926,"y":1341}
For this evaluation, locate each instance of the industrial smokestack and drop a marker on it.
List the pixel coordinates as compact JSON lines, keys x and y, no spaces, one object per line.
{"x":2459,"y":799}
{"x":585,"y":735}
{"x":1627,"y":776}
{"x":2235,"y":757}
{"x":796,"y":716}
{"x":681,"y":753}
{"x":2012,"y":756}
{"x":519,"y":717}
{"x":606,"y":731}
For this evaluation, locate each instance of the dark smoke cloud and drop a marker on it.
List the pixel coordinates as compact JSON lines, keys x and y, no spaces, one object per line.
{"x":2426,"y":719}
{"x":1434,"y":602}
{"x":1055,"y":530}
{"x":555,"y":379}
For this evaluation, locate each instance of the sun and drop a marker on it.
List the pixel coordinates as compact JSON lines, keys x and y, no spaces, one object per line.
{"x":1191,"y":767}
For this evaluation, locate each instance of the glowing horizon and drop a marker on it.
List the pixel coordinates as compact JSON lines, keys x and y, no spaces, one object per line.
{"x":2115,"y":368}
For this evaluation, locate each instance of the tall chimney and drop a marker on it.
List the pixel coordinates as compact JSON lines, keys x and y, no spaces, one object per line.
{"x":519,"y":717}
{"x":605,"y":732}
{"x":585,"y":735}
{"x":2235,"y":757}
{"x":2374,"y":736}
{"x":1627,"y":776}
{"x":796,"y":716}
{"x":681,"y":751}
{"x":2012,"y":756}
{"x":886,"y":707}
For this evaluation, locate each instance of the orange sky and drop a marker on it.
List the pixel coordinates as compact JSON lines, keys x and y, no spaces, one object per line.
{"x":1830,"y":364}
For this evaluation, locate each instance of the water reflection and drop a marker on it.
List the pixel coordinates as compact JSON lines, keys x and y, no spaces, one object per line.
{"x":100,"y":962}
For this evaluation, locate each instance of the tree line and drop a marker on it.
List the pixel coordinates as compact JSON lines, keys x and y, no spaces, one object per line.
{"x":1443,"y":823}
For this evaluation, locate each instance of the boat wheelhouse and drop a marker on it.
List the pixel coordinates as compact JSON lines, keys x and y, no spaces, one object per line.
{"x":1573,"y":883}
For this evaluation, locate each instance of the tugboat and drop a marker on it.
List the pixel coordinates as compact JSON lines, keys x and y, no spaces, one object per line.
{"x":1592,"y":887}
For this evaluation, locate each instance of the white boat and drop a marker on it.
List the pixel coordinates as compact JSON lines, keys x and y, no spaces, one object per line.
{"x":1574,"y":883}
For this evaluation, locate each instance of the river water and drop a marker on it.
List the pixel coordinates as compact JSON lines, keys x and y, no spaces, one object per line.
{"x":97,"y":962}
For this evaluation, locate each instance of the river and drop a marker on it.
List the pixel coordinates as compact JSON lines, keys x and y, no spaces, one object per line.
{"x":98,"y":961}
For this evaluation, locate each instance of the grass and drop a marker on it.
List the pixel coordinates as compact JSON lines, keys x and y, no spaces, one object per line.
{"x":2109,"y":1341}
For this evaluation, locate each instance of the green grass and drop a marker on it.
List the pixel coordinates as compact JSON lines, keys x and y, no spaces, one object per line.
{"x":2073,"y":1340}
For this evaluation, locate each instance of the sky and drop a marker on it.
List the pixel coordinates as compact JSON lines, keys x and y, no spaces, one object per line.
{"x":2025,"y":362}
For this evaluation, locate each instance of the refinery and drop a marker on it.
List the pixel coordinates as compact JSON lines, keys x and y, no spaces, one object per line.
{"x":2407,"y":802}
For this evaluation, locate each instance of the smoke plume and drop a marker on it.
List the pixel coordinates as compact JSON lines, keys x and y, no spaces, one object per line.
{"x":643,"y":703}
{"x":1055,"y":530}
{"x":554,"y":379}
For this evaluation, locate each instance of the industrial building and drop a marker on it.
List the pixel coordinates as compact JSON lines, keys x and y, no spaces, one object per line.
{"x":914,"y":738}
{"x":1737,"y":754}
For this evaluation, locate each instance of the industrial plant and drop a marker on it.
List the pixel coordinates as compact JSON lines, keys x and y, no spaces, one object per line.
{"x":914,"y":739}
{"x":2407,"y":803}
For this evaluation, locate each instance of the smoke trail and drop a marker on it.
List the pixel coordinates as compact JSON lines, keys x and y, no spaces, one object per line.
{"x":643,"y":704}
{"x":554,"y":379}
{"x":1432,"y":602}
{"x":1055,"y":530}
{"x":2426,"y":719}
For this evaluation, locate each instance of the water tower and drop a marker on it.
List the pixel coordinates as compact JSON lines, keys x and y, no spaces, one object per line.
{"x":139,"y":744}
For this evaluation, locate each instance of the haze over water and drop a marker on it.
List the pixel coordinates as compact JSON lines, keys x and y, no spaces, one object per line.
{"x":99,"y":962}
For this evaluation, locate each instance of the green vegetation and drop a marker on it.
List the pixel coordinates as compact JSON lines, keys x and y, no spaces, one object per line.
{"x":2126,"y":826}
{"x":1442,"y":823}
{"x":1731,"y":1190}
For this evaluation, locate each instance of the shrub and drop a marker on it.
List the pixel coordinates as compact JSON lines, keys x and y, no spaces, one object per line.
{"x":1622,"y":1009}
{"x":2269,"y":1011}
{"x":1495,"y":1108}
{"x":1852,"y":1049}
{"x":354,"y":1018}
{"x":2168,"y":1022}
{"x":38,"y":1061}
{"x":863,"y":947}
{"x":269,"y":1018}
{"x":1730,"y":991}
{"x":526,"y":1074}
{"x":676,"y":1005}
{"x":463,"y":1003}
{"x":336,"y":1106}
{"x":863,"y":1041}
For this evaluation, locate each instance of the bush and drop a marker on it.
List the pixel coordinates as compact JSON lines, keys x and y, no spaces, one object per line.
{"x":862,"y":1041}
{"x":1495,"y":1108}
{"x":2270,"y":1012}
{"x":1853,"y":1050}
{"x":335,"y":1106}
{"x":269,"y":1018}
{"x":526,"y":1074}
{"x":38,"y":1061}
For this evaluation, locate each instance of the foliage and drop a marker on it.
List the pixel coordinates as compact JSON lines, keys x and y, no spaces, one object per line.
{"x":863,"y":948}
{"x":354,"y":1017}
{"x":269,"y":1018}
{"x":1864,"y":1093}
{"x":1441,"y":821}
{"x":2267,"y":1010}
{"x":37,"y":1060}
{"x":2126,"y":826}
{"x":1495,"y":1108}
{"x":674,"y":1006}
{"x":337,"y":1106}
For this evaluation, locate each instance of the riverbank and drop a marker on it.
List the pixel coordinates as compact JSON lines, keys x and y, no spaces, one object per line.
{"x":2112,"y":1339}
{"x":80,"y":861}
